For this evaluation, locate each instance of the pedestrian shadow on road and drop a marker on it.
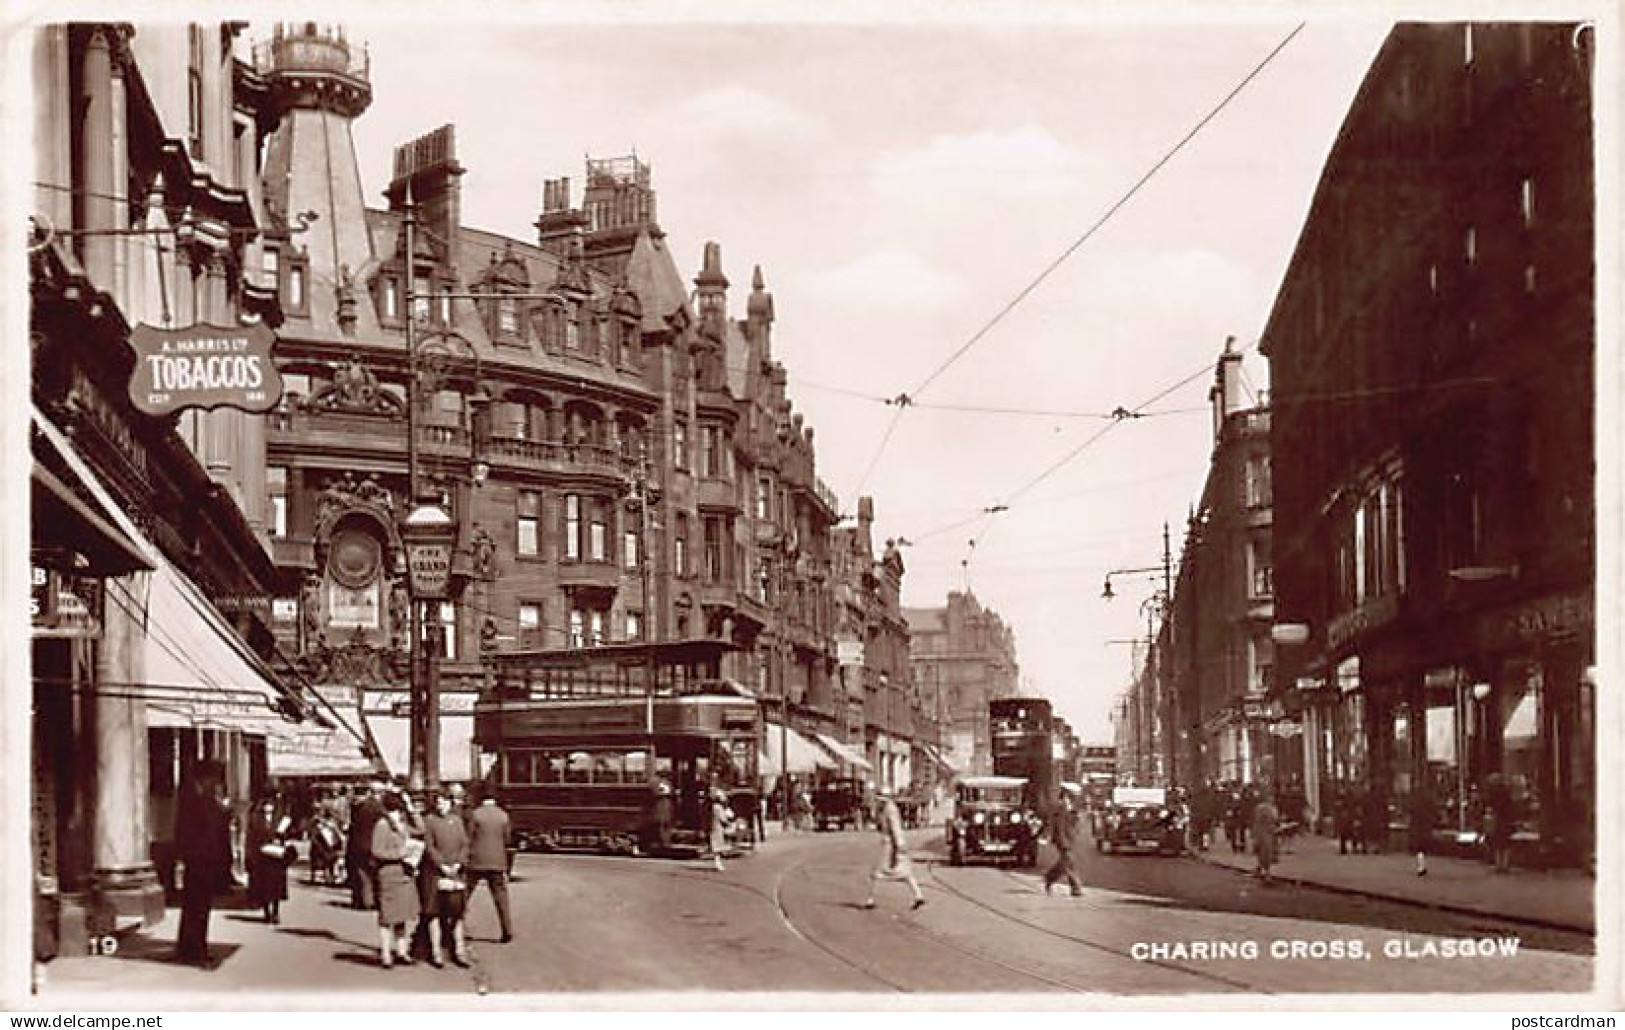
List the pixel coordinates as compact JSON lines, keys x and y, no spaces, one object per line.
{"x":302,"y":931}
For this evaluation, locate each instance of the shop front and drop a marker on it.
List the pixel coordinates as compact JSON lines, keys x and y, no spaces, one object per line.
{"x":137,"y":676}
{"x":1432,"y":720}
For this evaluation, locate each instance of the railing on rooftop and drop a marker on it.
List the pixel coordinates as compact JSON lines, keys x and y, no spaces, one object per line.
{"x":311,"y":48}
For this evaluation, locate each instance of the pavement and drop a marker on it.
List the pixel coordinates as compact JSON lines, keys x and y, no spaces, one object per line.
{"x":321,"y":944}
{"x":1559,"y":898}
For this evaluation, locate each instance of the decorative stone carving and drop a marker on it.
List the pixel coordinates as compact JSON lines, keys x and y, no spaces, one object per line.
{"x":484,"y":550}
{"x":400,"y":614}
{"x":354,"y":390}
{"x":355,"y":663}
{"x":347,"y":494}
{"x":346,"y":300}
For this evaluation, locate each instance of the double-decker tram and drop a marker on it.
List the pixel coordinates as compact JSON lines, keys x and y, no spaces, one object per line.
{"x":586,"y":739}
{"x":1022,"y":734}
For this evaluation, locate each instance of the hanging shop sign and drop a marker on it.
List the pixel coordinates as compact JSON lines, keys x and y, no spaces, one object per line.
{"x":64,"y":605}
{"x":429,"y":565}
{"x":204,"y":366}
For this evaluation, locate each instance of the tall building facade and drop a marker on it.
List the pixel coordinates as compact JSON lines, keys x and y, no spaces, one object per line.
{"x":152,"y":645}
{"x":963,"y":656}
{"x":1433,"y":382}
{"x":887,"y":717}
{"x":1215,"y":652}
{"x":619,"y":455}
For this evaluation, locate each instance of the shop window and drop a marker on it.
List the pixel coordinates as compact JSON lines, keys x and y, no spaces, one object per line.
{"x":1521,"y":704}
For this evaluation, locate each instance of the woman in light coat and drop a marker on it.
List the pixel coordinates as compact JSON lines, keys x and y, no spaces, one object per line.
{"x":722,"y":820}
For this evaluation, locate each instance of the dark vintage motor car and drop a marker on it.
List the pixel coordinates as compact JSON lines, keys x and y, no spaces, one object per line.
{"x":838,"y":804}
{"x":1141,"y":819}
{"x":990,"y":821}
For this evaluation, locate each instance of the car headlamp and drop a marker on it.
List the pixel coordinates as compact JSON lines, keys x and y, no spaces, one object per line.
{"x":977,"y":818}
{"x":1015,"y":817}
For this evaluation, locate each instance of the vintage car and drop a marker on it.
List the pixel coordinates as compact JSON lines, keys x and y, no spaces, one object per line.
{"x":1141,"y":819}
{"x":990,"y":821}
{"x":838,"y":804}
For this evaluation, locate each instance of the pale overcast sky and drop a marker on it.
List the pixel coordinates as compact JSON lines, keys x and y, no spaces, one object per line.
{"x":899,"y":184}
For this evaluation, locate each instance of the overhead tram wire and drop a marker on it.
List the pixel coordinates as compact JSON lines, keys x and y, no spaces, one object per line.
{"x":980,"y":409}
{"x":1123,"y":415}
{"x":905,"y":400}
{"x":1099,"y":223}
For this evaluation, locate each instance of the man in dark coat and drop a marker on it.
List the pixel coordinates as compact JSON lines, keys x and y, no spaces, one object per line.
{"x":1374,"y":819}
{"x":364,"y":816}
{"x":1063,"y":831}
{"x":203,"y":845}
{"x":489,"y":832}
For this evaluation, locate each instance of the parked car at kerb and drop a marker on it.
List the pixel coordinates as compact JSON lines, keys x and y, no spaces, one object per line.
{"x":1141,"y":819}
{"x":990,"y":821}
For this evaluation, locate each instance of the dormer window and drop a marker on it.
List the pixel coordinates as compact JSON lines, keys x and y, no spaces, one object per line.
{"x":572,"y":332}
{"x":420,"y":299}
{"x":507,"y":316}
{"x":392,"y":298}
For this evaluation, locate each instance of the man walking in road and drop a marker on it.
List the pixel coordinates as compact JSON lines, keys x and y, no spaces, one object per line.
{"x":894,"y":861}
{"x":1063,"y":830}
{"x":489,"y":833}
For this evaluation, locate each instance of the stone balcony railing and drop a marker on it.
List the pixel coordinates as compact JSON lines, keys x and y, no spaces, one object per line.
{"x":554,"y":456}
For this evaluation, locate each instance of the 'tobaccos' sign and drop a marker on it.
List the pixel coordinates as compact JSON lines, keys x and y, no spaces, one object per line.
{"x":204,"y":366}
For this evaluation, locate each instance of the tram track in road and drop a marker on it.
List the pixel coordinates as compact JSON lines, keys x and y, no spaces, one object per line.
{"x":933,"y":866}
{"x":775,"y":898}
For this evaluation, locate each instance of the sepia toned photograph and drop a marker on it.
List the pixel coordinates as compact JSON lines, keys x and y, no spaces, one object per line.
{"x":802,"y":508}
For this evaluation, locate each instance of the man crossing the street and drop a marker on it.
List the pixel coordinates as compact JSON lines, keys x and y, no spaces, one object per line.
{"x":894,"y":863}
{"x":1063,"y":831}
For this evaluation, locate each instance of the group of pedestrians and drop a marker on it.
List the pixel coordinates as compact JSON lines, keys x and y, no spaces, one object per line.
{"x":418,"y":871}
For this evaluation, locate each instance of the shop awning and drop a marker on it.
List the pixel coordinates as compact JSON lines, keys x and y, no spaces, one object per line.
{"x":939,"y":758}
{"x":77,"y":524}
{"x":317,"y":752}
{"x":804,"y":755}
{"x":197,"y":671}
{"x":843,"y":752}
{"x":393,"y":735}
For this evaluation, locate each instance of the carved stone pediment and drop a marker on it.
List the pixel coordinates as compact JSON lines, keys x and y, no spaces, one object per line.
{"x":354,"y":390}
{"x":356,"y":664}
{"x":348,"y":494}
